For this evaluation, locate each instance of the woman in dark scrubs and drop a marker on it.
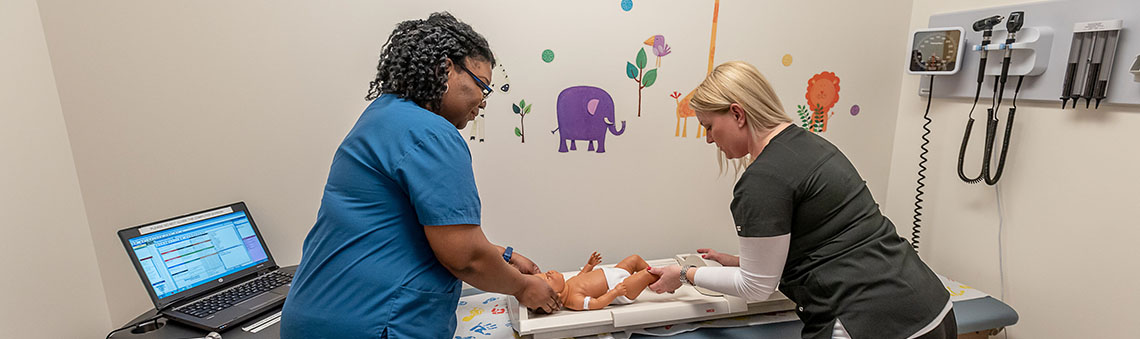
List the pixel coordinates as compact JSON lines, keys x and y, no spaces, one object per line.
{"x":807,"y":223}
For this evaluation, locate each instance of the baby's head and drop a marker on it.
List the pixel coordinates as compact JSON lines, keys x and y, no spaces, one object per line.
{"x":557,"y":283}
{"x":555,"y":279}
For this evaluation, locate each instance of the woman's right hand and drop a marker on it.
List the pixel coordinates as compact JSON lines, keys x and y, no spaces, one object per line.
{"x":723,"y":259}
{"x":537,"y":294}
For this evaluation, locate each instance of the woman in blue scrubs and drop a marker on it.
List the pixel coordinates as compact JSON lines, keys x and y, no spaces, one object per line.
{"x":399,"y":223}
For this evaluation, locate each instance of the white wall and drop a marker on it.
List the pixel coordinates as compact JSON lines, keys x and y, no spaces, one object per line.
{"x":1067,"y":196}
{"x":51,"y":286}
{"x":177,"y":106}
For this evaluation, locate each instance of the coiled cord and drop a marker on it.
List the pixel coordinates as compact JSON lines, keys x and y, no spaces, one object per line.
{"x":922,"y":168}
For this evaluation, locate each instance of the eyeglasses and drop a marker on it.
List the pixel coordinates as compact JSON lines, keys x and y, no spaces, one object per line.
{"x":486,"y":89}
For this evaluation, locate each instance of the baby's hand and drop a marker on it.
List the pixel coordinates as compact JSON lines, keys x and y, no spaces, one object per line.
{"x":620,"y":289}
{"x":594,"y":259}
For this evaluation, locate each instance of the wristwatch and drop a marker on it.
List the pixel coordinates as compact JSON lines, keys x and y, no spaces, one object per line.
{"x":507,"y":253}
{"x":684,"y":275}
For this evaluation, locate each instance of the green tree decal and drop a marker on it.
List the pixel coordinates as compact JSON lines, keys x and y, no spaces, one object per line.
{"x":522,"y":109}
{"x":646,"y":79}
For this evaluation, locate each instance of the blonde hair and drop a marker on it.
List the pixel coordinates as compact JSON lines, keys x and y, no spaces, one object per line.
{"x":740,"y":83}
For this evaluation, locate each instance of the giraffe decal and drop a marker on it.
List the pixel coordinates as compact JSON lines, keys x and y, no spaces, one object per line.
{"x":683,"y":110}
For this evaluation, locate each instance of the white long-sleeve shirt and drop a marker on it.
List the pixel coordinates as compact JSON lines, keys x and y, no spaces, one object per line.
{"x":761,"y":265}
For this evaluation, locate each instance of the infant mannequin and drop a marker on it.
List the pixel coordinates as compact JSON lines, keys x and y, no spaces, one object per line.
{"x":595,"y":289}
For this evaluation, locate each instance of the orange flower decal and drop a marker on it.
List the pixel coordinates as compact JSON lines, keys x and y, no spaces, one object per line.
{"x":822,"y":94}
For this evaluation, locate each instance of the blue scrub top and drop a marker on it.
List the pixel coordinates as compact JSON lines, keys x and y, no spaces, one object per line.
{"x":366,"y":267}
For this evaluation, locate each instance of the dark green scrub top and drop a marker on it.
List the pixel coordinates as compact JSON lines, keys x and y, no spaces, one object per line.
{"x":845,"y":260}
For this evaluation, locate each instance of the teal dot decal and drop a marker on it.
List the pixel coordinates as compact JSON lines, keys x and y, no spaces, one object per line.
{"x":548,"y":56}
{"x":626,"y":5}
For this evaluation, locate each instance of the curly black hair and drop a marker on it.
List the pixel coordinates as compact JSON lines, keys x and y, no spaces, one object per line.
{"x":413,"y":63}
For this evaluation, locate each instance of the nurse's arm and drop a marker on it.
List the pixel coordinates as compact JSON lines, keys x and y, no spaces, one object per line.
{"x":466,"y":253}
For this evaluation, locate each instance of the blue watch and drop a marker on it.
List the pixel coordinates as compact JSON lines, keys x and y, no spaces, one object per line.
{"x":507,"y":253}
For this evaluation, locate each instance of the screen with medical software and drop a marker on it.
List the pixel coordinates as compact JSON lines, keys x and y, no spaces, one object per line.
{"x":180,"y":258}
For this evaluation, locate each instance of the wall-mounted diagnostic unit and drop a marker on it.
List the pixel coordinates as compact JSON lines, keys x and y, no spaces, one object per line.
{"x":1067,"y":50}
{"x":936,"y":51}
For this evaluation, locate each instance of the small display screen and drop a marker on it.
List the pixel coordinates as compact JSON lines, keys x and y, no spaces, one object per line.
{"x":935,"y":51}
{"x":182,"y":257}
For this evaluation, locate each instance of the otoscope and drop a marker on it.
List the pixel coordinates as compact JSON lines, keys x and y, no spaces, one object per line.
{"x":1013,"y":25}
{"x":1016,"y":19}
{"x":986,"y":26}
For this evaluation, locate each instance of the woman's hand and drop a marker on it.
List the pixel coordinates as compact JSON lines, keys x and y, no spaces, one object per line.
{"x":537,"y":294}
{"x":523,"y":264}
{"x":669,"y":278}
{"x":723,"y":259}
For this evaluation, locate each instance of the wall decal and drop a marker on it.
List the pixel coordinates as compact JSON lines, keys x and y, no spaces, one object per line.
{"x":585,"y":113}
{"x":685,"y":112}
{"x":660,"y":48}
{"x":854,"y":110}
{"x":548,"y":56}
{"x":683,"y":109}
{"x":505,"y":85}
{"x":805,"y":118}
{"x":787,"y":60}
{"x":522,"y":109}
{"x":643,"y":80}
{"x":476,"y":126}
{"x":822,"y":94}
{"x":626,"y":5}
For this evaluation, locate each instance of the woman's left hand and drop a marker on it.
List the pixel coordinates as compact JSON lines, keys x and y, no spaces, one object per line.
{"x":523,"y":264}
{"x":669,"y":278}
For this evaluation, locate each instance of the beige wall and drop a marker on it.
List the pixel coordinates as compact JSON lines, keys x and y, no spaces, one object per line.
{"x":259,"y":105}
{"x":51,"y":286}
{"x":1067,"y":195}
{"x":176,"y":106}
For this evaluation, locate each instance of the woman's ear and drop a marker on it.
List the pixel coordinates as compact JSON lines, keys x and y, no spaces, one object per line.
{"x":738,"y":114}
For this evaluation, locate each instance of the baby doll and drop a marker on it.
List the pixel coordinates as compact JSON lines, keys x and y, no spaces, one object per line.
{"x":595,"y":289}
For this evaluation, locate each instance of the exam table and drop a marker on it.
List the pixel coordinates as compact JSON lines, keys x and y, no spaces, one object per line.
{"x":688,"y":314}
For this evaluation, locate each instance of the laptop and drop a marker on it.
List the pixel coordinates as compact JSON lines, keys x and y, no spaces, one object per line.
{"x":208,"y":269}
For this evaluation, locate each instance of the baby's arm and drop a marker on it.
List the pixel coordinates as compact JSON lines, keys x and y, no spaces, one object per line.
{"x":578,"y":301}
{"x":594,"y":260}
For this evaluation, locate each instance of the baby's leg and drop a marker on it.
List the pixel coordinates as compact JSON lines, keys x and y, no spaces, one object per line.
{"x":637,"y":282}
{"x":632,"y":264}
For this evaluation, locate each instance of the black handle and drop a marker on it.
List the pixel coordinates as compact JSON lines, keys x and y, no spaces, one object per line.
{"x":1070,"y":74}
{"x":1090,"y":84}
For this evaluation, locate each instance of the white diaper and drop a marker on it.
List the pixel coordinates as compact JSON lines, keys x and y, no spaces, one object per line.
{"x":613,"y":277}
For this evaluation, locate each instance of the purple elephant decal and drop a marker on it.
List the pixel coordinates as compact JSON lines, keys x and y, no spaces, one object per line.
{"x":585,"y":113}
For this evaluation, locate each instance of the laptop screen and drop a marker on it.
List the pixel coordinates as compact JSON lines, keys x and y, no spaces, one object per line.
{"x":183,"y":253}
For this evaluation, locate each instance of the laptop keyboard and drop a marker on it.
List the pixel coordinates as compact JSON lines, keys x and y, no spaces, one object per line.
{"x":205,"y":307}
